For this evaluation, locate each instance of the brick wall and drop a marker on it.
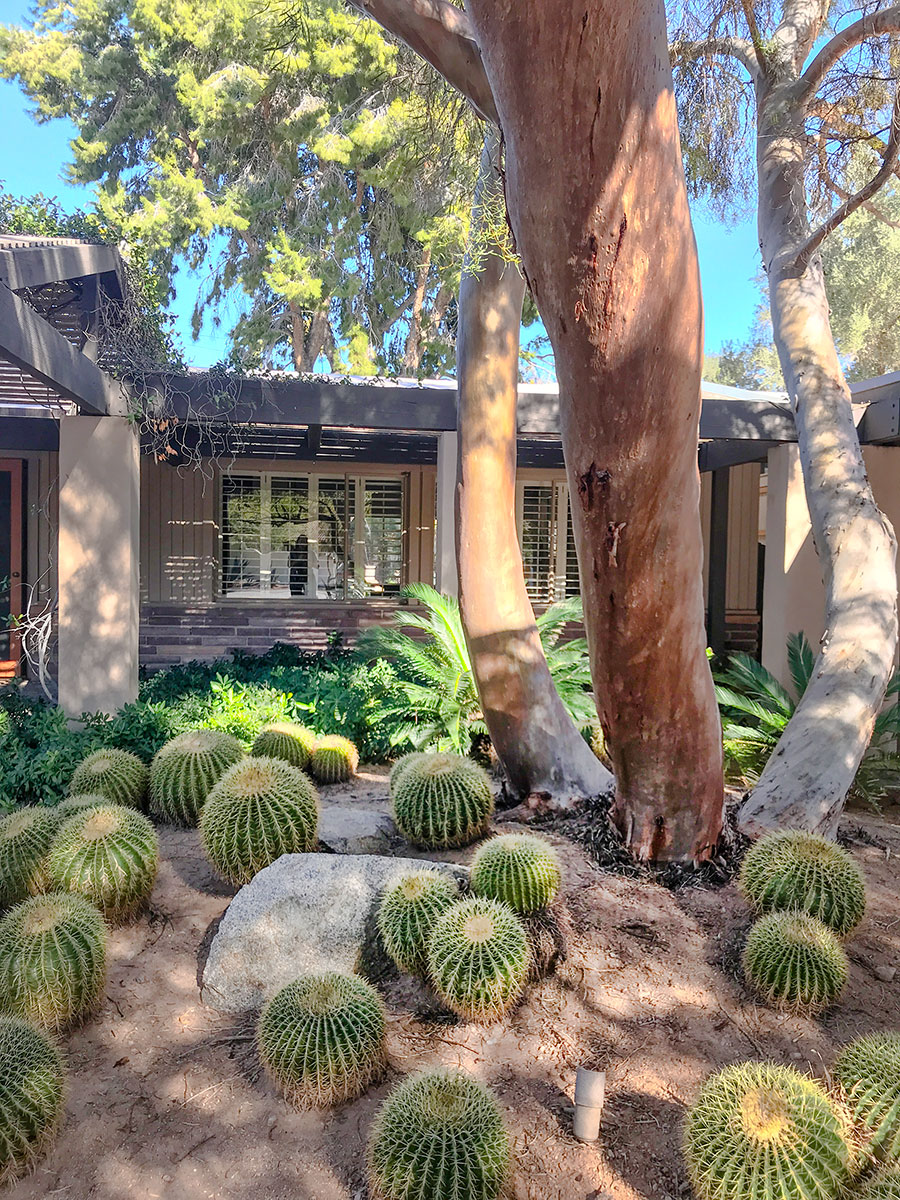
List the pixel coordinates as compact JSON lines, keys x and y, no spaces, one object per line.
{"x":174,"y":633}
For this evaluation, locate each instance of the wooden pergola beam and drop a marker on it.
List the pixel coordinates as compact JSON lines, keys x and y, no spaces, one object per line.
{"x":25,"y":265}
{"x":37,"y":348}
{"x":248,"y":400}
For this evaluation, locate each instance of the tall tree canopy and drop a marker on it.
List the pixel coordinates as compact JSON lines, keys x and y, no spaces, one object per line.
{"x":805,"y":91}
{"x":302,"y":165}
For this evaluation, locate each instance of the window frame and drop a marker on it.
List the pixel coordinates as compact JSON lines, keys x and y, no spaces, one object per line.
{"x":354,"y":519}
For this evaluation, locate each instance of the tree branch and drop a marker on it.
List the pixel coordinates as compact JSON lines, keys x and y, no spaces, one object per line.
{"x":850,"y":205}
{"x":755,"y":36}
{"x":442,"y":34}
{"x":875,"y":24}
{"x":718,"y":47}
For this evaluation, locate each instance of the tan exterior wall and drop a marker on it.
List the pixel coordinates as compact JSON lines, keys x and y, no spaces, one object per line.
{"x":794,"y":599}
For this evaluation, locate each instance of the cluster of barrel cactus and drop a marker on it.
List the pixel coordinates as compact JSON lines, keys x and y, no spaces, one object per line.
{"x":119,"y":776}
{"x":408,"y":913}
{"x":441,"y":800}
{"x":759,"y":1130}
{"x":186,"y":769}
{"x":321,"y":1038}
{"x":52,"y":960}
{"x":521,"y":870}
{"x":109,"y":855}
{"x":32,"y":1095}
{"x":334,"y":759}
{"x":260,"y":809}
{"x":811,"y":895}
{"x":868,"y":1074}
{"x":438,"y":1136}
{"x":793,"y":961}
{"x":284,"y":739}
{"x":793,"y":871}
{"x":25,"y":838}
{"x":478,"y":958}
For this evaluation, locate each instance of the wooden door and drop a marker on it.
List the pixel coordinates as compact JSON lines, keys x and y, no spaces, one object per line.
{"x":11,"y":554}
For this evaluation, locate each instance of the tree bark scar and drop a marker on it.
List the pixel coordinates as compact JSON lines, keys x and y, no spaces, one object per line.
{"x":586,"y":485}
{"x":608,"y":287}
{"x":613,"y":532}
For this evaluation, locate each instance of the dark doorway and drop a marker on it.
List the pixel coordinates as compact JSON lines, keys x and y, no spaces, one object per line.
{"x":11,"y":547}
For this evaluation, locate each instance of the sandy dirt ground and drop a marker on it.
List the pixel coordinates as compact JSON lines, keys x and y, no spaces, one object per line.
{"x":167,"y":1098}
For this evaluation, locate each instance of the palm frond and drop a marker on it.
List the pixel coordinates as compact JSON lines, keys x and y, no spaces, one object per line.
{"x":801,"y":661}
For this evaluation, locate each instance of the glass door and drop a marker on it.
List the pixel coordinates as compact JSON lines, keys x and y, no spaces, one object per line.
{"x":11,"y":546}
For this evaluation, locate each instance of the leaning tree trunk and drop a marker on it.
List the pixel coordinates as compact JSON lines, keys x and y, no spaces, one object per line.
{"x":598,"y":206}
{"x":810,"y":772}
{"x":545,"y":757}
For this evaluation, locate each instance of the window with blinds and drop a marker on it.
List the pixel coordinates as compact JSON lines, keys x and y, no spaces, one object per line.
{"x":314,"y":536}
{"x":548,"y":546}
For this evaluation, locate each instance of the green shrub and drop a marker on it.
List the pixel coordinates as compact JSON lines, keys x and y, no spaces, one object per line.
{"x":478,"y":958}
{"x":868,"y":1073}
{"x":32,"y":1095}
{"x":763,"y":1132}
{"x":109,"y":855}
{"x":334,"y":759}
{"x":884,"y":1186}
{"x":52,"y":960}
{"x":285,"y":739}
{"x":442,"y":800}
{"x":756,"y":708}
{"x":321,"y":1039}
{"x":186,"y":769}
{"x":119,"y":776}
{"x":260,"y":809}
{"x":439,"y":706}
{"x":801,"y":871}
{"x":521,"y":870}
{"x":438,"y":1136}
{"x":795,"y":962}
{"x":407,"y":914}
{"x":25,"y":838}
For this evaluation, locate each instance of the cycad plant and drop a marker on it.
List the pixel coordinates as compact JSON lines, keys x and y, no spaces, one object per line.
{"x":755,"y":709}
{"x":436,"y":672}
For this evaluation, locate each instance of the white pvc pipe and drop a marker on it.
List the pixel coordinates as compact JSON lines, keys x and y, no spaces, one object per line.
{"x":590,"y":1091}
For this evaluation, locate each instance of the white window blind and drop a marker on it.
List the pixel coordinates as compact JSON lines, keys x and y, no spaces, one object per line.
{"x":314,"y":536}
{"x":545,"y":534}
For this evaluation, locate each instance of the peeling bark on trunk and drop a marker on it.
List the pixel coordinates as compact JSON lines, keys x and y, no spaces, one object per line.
{"x":412,"y":351}
{"x":808,"y":776}
{"x":598,"y":207}
{"x":542,"y":752}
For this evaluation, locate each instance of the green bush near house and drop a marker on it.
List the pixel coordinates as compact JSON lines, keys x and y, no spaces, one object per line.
{"x":756,"y":708}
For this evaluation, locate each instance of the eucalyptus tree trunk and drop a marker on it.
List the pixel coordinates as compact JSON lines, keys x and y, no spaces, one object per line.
{"x":545,"y":757}
{"x":807,"y":778}
{"x":598,"y":207}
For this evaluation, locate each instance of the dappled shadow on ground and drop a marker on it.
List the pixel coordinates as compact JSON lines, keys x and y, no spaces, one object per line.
{"x":168,"y":1099}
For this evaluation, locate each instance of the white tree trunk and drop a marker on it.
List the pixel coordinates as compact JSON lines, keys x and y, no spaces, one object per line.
{"x":807,"y":778}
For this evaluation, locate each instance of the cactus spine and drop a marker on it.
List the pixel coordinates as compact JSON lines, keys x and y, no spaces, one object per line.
{"x":438,"y":1136}
{"x":408,"y":913}
{"x":109,"y":855}
{"x":884,"y":1186}
{"x":334,"y":759}
{"x":761,"y":1130}
{"x":791,"y":870}
{"x":321,"y":1039}
{"x":25,"y":838}
{"x":442,"y":800}
{"x":521,"y":870}
{"x":186,"y":769}
{"x":119,"y":776}
{"x":52,"y":960}
{"x":283,"y":739}
{"x":32,"y":1095}
{"x":868,"y":1073}
{"x":795,"y":962}
{"x":73,"y":804}
{"x":260,"y":809}
{"x":478,"y":958}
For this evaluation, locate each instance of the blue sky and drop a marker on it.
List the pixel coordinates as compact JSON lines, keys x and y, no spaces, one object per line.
{"x":34,"y":157}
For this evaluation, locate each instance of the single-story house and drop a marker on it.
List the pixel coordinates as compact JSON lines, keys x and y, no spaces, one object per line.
{"x":268,"y":508}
